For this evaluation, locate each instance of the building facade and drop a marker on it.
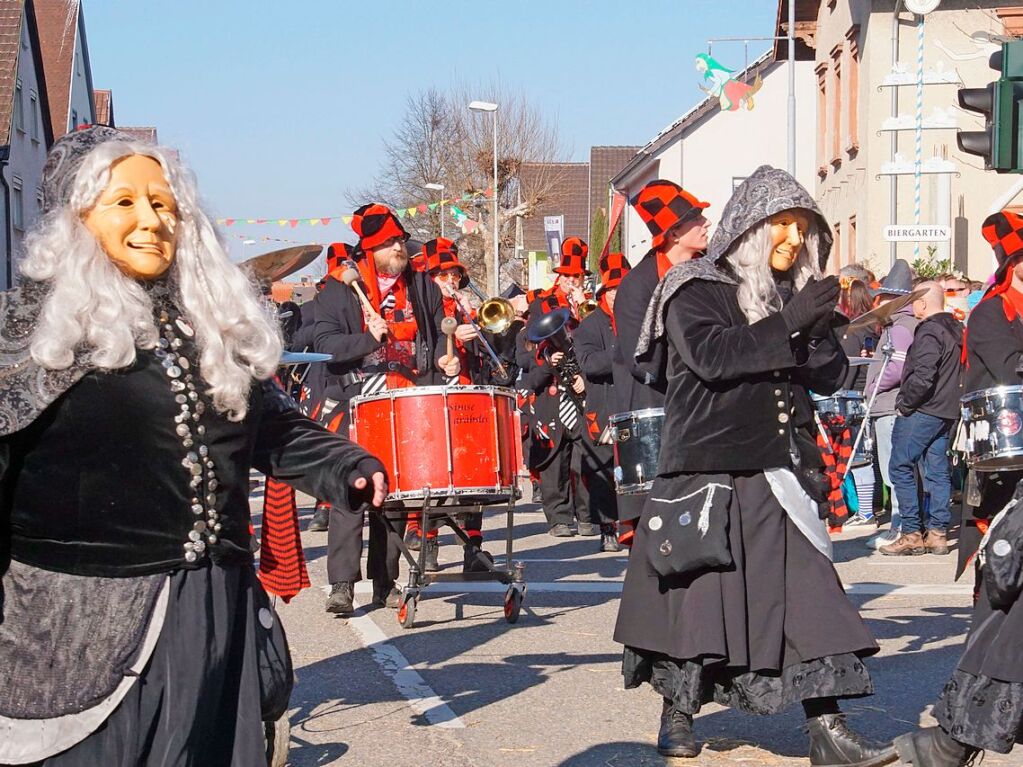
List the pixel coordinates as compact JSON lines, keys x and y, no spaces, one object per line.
{"x":66,"y":61}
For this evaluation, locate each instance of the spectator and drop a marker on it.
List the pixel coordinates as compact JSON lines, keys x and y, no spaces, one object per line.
{"x":927,"y":405}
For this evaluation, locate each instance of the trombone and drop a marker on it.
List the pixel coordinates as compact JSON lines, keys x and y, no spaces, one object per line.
{"x":501,"y":369}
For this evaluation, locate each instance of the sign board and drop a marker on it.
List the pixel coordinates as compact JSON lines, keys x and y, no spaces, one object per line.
{"x":554,"y":232}
{"x":918,"y":233}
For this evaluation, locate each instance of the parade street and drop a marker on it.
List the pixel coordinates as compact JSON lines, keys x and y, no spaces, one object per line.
{"x":465,"y":688}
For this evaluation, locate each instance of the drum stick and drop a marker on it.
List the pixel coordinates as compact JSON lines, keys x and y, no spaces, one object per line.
{"x":351,"y":278}
{"x":447,"y":327}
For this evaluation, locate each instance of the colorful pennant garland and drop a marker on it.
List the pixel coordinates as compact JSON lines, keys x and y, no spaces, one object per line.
{"x":409,"y":212}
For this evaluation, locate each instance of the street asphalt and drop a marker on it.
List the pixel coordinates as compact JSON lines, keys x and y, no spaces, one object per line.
{"x":463,"y":687}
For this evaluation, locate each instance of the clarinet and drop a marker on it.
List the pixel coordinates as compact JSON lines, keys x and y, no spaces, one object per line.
{"x":565,"y":372}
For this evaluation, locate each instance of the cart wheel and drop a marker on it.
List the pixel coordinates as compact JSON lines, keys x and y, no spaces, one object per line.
{"x":407,"y":611}
{"x":512,"y":604}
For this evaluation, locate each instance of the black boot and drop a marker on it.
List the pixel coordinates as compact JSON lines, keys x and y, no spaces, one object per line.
{"x":675,"y":737}
{"x":833,"y":744}
{"x":471,"y":562}
{"x":432,"y":548}
{"x":321,"y":517}
{"x":934,"y":747}
{"x":342,"y":598}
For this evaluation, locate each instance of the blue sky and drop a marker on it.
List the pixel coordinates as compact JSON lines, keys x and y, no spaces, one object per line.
{"x":280,"y":107}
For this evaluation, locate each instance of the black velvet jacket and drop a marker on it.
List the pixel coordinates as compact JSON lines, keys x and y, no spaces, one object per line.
{"x":96,"y":484}
{"x":637,"y":384}
{"x":737,"y":393}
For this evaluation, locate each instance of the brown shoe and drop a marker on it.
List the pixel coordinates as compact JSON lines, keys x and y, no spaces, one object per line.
{"x":936,"y":542}
{"x":907,"y":545}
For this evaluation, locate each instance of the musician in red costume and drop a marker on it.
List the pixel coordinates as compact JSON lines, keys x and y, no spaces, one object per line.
{"x":392,"y":344}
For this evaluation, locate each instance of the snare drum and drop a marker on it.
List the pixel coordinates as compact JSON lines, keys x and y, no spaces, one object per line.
{"x":636,"y":436}
{"x":993,"y":421}
{"x":845,"y":402}
{"x":448,"y":441}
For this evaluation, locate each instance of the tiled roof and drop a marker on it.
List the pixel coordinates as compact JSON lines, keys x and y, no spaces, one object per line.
{"x":57,"y":21}
{"x":104,"y":108}
{"x":11,"y":12}
{"x":605,"y":164}
{"x":147,"y":133}
{"x":569,"y":197}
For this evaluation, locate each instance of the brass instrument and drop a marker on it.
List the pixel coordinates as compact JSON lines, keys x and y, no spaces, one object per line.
{"x":586,"y":308}
{"x":551,"y":329}
{"x":467,"y":311}
{"x":496,"y":315}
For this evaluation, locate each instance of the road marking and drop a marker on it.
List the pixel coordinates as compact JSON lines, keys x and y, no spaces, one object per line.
{"x":421,"y":698}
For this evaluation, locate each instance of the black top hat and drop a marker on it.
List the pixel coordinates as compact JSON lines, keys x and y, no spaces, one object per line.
{"x":898,"y":282}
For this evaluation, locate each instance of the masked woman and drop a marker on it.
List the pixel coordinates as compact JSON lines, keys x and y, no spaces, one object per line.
{"x":134,"y":400}
{"x":730,"y":595}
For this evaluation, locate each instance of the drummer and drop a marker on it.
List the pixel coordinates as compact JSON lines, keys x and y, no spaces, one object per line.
{"x":678,"y":233}
{"x":594,"y":341}
{"x":391,"y":344}
{"x":981,"y":706}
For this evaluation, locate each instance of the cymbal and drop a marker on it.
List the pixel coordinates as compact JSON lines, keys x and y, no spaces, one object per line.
{"x":881,"y":314}
{"x":300,"y":358}
{"x":278,"y":264}
{"x":853,"y":361}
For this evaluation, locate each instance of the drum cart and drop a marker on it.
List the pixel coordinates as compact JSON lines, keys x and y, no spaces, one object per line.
{"x":433,"y":516}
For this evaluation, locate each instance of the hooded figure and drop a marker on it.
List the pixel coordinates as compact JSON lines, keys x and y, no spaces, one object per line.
{"x":730,"y":594}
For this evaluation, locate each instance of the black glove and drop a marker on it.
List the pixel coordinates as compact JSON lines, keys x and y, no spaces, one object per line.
{"x":815,"y":302}
{"x":364,"y":469}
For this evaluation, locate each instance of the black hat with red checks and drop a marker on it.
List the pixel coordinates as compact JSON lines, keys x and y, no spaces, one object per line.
{"x":441,"y":254}
{"x":376,"y":224}
{"x":573,"y":258}
{"x":1004,"y":231}
{"x":613,"y":268}
{"x":663,"y":204}
{"x":337,"y":254}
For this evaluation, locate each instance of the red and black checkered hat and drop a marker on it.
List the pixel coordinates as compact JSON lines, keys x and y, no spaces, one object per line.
{"x":573,"y":258}
{"x":662,"y":204}
{"x":375,"y":224}
{"x":337,"y":253}
{"x":613,"y":267}
{"x":1004,"y":231}
{"x":442,"y":254}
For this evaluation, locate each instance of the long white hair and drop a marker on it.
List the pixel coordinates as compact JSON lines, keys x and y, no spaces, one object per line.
{"x":93,"y":306}
{"x":749,"y":258}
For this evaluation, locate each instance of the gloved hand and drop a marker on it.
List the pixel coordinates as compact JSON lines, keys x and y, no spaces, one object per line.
{"x":814,"y":302}
{"x":369,"y":476}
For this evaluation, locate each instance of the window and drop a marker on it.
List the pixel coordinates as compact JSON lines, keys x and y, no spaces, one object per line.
{"x":837,"y":249}
{"x":836,"y":105}
{"x":39,"y":197}
{"x":17,"y":204}
{"x":33,"y":115}
{"x":19,"y":117}
{"x":822,"y":114}
{"x":852,"y":239}
{"x":74,"y":119}
{"x":852,"y":143}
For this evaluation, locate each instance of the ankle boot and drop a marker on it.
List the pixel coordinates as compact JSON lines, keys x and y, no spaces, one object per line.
{"x":933,"y":747}
{"x":833,"y":744}
{"x":675,"y":737}
{"x":432,"y":549}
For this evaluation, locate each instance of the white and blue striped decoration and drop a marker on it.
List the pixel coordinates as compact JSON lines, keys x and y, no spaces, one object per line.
{"x":919,"y":134}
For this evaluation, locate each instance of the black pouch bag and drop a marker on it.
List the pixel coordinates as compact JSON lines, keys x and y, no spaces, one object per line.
{"x":686,"y":521}
{"x":1003,"y":556}
{"x":273,"y":660}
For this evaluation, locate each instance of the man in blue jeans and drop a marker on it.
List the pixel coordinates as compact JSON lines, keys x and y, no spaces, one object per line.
{"x":927,"y":405}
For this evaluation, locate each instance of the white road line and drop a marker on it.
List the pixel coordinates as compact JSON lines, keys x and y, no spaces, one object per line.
{"x":421,"y":698}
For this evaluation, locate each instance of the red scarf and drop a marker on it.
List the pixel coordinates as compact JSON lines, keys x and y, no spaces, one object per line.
{"x":607,"y":310}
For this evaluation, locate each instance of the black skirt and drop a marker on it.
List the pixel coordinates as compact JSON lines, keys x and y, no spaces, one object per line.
{"x":198,"y":700}
{"x":773,"y":629}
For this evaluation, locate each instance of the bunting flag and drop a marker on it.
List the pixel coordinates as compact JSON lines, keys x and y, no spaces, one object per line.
{"x":247,"y":240}
{"x":408,"y":212}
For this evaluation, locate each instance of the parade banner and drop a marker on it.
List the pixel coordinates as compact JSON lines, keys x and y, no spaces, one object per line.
{"x":554,"y":231}
{"x":617,"y":206}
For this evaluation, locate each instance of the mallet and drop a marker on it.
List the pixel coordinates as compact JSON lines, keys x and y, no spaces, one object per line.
{"x":448,"y":326}
{"x":351,"y":278}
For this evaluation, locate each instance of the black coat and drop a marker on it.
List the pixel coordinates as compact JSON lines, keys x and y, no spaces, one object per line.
{"x":595,"y":344}
{"x":994,"y":347}
{"x":737,"y":393}
{"x":305,"y":336}
{"x":339,"y":332}
{"x":637,"y":385}
{"x":932,"y":373}
{"x":538,"y":377}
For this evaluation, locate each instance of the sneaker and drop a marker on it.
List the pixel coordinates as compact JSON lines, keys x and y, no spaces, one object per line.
{"x":857,"y":520}
{"x":882,"y":539}
{"x":561,"y":531}
{"x":320,"y":520}
{"x":936,"y":542}
{"x":342,"y":598}
{"x":588,"y":529}
{"x":609,"y":539}
{"x":907,"y":545}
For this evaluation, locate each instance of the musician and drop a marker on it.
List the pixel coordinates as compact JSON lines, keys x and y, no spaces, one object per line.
{"x":730,"y":594}
{"x":556,"y":449}
{"x":136,"y":400}
{"x":981,"y":706}
{"x":594,"y":342}
{"x":678,"y":231}
{"x":392,"y":344}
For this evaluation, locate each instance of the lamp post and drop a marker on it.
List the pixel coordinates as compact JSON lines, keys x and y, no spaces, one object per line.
{"x":489,"y":106}
{"x":434,"y":186}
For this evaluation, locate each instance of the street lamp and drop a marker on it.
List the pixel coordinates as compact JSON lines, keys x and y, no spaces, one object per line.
{"x":438,"y":188}
{"x":488,"y":106}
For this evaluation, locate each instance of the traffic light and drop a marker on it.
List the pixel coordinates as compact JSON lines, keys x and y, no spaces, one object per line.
{"x":999,"y":143}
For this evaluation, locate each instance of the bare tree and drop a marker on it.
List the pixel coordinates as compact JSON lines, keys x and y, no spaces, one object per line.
{"x":440,"y":141}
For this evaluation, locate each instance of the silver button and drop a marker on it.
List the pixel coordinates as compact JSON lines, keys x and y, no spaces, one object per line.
{"x":777,"y":392}
{"x":212,"y":539}
{"x":181,"y":430}
{"x":776,"y":374}
{"x":191,"y":556}
{"x":783,"y":417}
{"x":781,"y":431}
{"x":183,"y":361}
{"x":781,"y":404}
{"x":194,"y":535}
{"x":174,"y":371}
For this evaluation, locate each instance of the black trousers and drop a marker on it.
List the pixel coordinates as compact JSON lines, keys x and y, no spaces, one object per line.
{"x":565,"y":495}
{"x":344,"y":546}
{"x":597,"y":476}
